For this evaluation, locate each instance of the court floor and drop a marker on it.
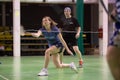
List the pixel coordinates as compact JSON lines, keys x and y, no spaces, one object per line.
{"x":27,"y":68}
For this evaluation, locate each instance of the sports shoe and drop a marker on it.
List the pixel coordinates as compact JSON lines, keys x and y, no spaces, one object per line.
{"x":73,"y":67}
{"x":43,"y":72}
{"x":80,"y":64}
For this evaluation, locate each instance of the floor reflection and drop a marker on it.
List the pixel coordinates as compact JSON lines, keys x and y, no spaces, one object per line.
{"x":17,"y":68}
{"x":105,"y":69}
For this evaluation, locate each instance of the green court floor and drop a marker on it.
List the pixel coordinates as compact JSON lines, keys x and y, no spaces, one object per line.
{"x":27,"y":68}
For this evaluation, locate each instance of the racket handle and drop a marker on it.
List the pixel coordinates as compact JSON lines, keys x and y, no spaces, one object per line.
{"x":28,"y":33}
{"x":22,"y":34}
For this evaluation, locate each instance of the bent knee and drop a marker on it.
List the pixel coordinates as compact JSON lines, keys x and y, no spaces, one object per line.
{"x":48,"y":51}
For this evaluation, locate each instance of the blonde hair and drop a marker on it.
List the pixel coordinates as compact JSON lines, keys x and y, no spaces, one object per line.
{"x":53,"y":23}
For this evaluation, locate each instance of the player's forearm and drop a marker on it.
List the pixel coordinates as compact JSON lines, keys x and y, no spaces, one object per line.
{"x":78,"y":30}
{"x":36,"y":34}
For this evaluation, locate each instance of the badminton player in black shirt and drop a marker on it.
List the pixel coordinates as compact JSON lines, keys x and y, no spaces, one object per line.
{"x":71,"y":32}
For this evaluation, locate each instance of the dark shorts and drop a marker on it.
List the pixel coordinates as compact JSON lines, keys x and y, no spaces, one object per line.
{"x":59,"y":45}
{"x":70,"y":39}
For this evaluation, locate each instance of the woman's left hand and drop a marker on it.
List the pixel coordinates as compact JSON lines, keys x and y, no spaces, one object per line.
{"x":69,"y":52}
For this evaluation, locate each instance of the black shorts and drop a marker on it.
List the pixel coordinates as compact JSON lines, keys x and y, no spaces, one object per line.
{"x":70,"y":39}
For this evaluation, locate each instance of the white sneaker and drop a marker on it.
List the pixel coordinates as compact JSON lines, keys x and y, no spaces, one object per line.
{"x":73,"y":67}
{"x":43,"y":72}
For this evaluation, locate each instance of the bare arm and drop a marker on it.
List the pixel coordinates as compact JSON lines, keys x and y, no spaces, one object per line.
{"x":37,"y":34}
{"x":78,"y":32}
{"x":64,"y":43}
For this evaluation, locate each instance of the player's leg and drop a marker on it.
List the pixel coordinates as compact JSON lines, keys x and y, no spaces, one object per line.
{"x":73,"y":43}
{"x":77,"y":51}
{"x":57,"y":63}
{"x":113,"y":55}
{"x":113,"y":59}
{"x":51,"y":50}
{"x":61,"y":55}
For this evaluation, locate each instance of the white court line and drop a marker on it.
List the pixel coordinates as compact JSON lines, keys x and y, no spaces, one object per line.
{"x":4,"y":77}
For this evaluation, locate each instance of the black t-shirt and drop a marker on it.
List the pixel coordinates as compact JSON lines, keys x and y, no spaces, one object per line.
{"x":69,"y":28}
{"x":68,"y":24}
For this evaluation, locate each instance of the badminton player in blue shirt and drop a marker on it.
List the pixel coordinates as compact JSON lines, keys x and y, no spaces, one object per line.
{"x":56,"y":44}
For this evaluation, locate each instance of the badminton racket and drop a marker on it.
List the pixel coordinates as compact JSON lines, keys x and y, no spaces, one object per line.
{"x":23,"y":32}
{"x":108,"y":12}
